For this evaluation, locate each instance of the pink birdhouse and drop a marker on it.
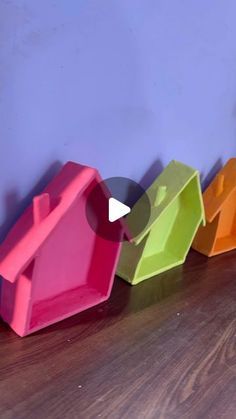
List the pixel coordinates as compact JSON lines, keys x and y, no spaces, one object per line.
{"x":53,"y":265}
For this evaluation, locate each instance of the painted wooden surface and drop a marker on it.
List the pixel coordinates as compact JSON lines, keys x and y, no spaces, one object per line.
{"x":163,"y":349}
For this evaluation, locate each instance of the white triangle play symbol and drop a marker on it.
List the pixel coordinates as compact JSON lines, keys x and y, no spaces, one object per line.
{"x":117,"y":210}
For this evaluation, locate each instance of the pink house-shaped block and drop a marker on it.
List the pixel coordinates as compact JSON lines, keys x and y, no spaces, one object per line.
{"x":53,"y":265}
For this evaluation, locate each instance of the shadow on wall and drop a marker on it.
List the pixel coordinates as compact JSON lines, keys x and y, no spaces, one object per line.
{"x":154,"y":170}
{"x":157,"y":167}
{"x":14,"y":206}
{"x":205,"y":181}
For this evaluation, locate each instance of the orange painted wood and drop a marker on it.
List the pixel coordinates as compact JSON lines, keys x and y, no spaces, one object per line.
{"x":219,"y":234}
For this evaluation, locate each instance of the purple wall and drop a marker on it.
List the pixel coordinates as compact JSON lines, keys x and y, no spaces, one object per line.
{"x":121,"y":85}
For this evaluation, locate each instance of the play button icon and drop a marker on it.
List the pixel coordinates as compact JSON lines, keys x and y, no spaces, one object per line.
{"x":117,"y":210}
{"x":110,"y":206}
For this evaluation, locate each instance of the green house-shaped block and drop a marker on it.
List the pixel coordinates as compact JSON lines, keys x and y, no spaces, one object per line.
{"x":176,"y":213}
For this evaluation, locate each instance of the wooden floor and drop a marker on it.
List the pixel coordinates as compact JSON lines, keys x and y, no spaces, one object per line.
{"x":163,"y":349}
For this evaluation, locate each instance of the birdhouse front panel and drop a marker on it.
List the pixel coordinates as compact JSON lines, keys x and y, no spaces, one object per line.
{"x":177,"y":211}
{"x":66,"y":256}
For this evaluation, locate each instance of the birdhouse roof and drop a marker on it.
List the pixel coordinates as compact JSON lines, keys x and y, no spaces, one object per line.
{"x":26,"y":237}
{"x":164,"y":190}
{"x":223,"y":185}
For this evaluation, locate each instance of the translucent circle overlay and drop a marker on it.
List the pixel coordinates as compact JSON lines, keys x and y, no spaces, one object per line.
{"x":129,"y":193}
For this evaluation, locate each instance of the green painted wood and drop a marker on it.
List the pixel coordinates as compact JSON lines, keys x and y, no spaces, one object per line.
{"x":177,"y":211}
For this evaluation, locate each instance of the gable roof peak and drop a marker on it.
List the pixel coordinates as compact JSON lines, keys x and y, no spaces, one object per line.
{"x":41,"y":217}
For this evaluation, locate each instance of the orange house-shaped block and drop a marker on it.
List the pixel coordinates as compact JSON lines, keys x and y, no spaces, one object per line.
{"x":219,"y":234}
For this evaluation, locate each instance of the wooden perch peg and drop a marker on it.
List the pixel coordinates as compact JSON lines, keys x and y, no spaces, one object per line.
{"x":219,"y":185}
{"x":161,"y":194}
{"x":41,"y":207}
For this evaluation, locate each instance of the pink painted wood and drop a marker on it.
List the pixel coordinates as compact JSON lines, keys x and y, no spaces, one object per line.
{"x":52,"y":263}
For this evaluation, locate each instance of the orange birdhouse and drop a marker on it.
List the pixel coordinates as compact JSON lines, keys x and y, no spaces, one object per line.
{"x":219,"y":234}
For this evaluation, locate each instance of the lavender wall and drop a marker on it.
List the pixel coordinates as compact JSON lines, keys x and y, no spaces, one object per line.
{"x":121,"y":85}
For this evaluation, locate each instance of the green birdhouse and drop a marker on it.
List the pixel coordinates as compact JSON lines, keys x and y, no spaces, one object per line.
{"x":176,"y":213}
